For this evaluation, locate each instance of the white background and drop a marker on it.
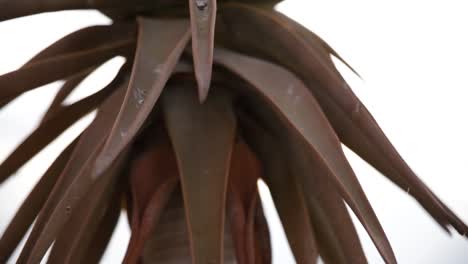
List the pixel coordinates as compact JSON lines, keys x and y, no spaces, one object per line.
{"x":413,"y":57}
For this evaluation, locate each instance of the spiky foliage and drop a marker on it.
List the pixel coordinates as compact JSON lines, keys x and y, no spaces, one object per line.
{"x":182,"y":135}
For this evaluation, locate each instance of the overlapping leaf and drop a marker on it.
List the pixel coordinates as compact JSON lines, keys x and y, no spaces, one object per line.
{"x":29,"y":209}
{"x":74,"y":182}
{"x":63,"y":60}
{"x":244,"y":173}
{"x":68,"y":86}
{"x":51,"y":128}
{"x":149,"y":76}
{"x":286,"y":194}
{"x":297,"y":107}
{"x":203,"y":160}
{"x":18,"y":8}
{"x":153,"y":178}
{"x":71,"y":245}
{"x":350,"y":119}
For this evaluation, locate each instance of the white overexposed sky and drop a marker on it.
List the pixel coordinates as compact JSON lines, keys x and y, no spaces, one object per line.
{"x":413,"y":57}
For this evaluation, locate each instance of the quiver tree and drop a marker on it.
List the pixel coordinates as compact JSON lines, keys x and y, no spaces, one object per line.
{"x":212,"y":97}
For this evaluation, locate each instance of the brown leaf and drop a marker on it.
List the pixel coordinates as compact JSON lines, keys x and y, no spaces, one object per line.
{"x":31,"y":206}
{"x":296,"y":106}
{"x":103,"y":235}
{"x":53,"y":127}
{"x":337,"y":238}
{"x":164,"y":40}
{"x":47,"y":70}
{"x":73,"y":240}
{"x":67,"y":87}
{"x":287,"y":196}
{"x":74,"y":182}
{"x":243,"y":176}
{"x":349,"y":117}
{"x":203,"y":160}
{"x":313,"y":40}
{"x":18,"y":8}
{"x":153,"y":178}
{"x":203,"y":18}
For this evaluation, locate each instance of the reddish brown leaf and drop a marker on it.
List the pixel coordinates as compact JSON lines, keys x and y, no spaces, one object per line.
{"x":68,"y":86}
{"x":243,"y":176}
{"x":153,"y":178}
{"x":286,"y":194}
{"x":72,"y":242}
{"x":52,"y":128}
{"x":296,"y":106}
{"x":29,"y":209}
{"x":203,"y":160}
{"x":55,"y":68}
{"x":103,"y":235}
{"x":164,"y":40}
{"x":203,"y":18}
{"x":74,"y":182}
{"x":349,"y":117}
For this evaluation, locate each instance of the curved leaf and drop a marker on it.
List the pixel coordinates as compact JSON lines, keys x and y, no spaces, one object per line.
{"x":164,"y":40}
{"x":74,"y":182}
{"x":12,"y":9}
{"x":296,"y":106}
{"x":313,"y":40}
{"x":53,"y":127}
{"x":52,"y":69}
{"x":87,"y":38}
{"x":335,"y":231}
{"x":72,"y":242}
{"x":68,"y":86}
{"x":31,"y":206}
{"x":351,"y":120}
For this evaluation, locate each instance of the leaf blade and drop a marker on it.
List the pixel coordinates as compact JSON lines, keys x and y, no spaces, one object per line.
{"x":203,"y":162}
{"x":296,"y":106}
{"x":203,"y":18}
{"x":146,"y":83}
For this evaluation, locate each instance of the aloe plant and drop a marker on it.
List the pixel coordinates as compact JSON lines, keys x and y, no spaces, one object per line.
{"x":212,"y":97}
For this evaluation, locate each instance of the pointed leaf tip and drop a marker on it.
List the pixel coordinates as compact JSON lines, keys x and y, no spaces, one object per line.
{"x":290,"y":99}
{"x":202,"y":18}
{"x":165,"y":40}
